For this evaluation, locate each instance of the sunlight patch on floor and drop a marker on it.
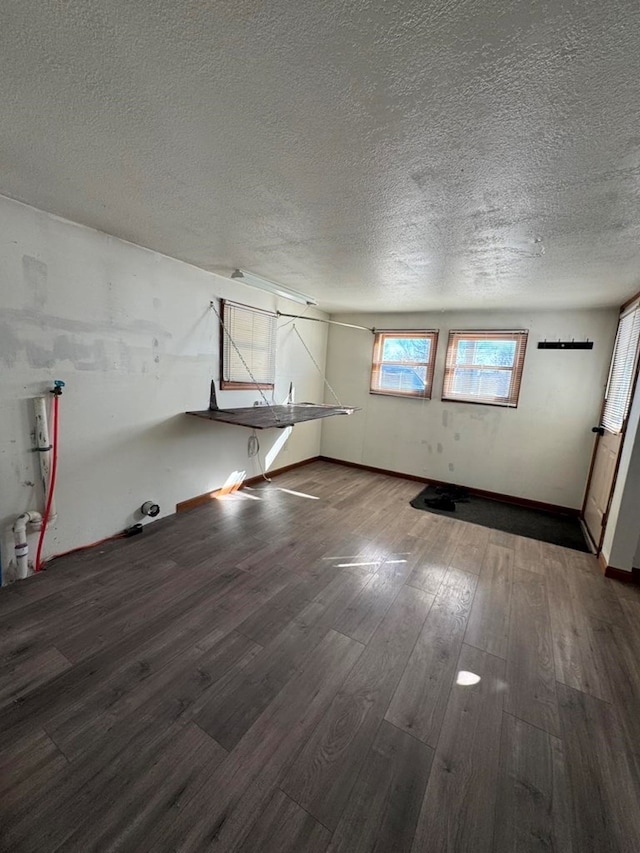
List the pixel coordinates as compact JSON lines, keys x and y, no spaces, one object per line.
{"x":466,"y":679}
{"x":299,"y":494}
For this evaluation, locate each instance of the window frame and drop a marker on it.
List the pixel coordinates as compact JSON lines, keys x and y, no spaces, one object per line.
{"x":235,"y":384}
{"x":622,"y":372}
{"x":519,"y":336}
{"x":377,"y":362}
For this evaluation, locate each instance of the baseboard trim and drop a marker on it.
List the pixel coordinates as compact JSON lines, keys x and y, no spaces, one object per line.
{"x":621,"y":575}
{"x":192,"y":503}
{"x":482,"y":493}
{"x":618,"y":574}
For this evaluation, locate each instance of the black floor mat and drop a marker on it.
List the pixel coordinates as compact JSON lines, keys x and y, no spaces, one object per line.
{"x":563,"y":530}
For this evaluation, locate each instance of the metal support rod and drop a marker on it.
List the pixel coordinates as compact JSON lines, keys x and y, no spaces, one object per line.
{"x":331,"y":322}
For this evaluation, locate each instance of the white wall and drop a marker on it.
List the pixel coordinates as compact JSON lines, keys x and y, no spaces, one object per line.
{"x":621,"y":544}
{"x":540,"y":451}
{"x":132,"y":335}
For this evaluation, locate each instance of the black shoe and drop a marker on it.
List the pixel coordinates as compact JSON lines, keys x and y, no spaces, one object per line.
{"x":453,"y":493}
{"x":443,"y":502}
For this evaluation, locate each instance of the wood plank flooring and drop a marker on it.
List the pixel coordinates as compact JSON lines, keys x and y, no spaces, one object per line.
{"x":313,"y":666}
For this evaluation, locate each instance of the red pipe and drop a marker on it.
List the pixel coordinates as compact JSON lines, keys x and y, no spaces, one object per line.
{"x":52,"y":483}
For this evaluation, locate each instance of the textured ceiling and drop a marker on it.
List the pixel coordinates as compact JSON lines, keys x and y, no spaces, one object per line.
{"x":378,"y":155}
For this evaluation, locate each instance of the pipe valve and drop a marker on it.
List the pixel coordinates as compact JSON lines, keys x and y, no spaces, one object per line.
{"x":150,"y":508}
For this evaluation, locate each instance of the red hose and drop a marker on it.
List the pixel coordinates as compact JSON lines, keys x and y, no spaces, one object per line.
{"x":86,"y":547}
{"x":52,"y":483}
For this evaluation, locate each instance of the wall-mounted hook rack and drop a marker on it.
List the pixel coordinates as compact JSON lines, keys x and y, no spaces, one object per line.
{"x":572,"y":344}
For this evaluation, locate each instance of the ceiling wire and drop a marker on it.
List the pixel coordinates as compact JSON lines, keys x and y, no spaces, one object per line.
{"x":318,"y":368}
{"x":322,"y":320}
{"x":294,"y":318}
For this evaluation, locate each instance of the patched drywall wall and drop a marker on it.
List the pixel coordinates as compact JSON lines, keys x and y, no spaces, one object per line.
{"x":131,"y":333}
{"x":540,"y":451}
{"x":621,"y":543}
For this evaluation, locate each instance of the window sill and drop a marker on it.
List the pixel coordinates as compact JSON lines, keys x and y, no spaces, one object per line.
{"x":402,"y":394}
{"x":243,"y":386}
{"x":472,"y":402}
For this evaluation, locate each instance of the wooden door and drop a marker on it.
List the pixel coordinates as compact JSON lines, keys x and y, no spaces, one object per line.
{"x":603,"y":474}
{"x":615,"y":409}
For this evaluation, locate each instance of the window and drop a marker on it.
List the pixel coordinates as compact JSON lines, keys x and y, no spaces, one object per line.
{"x":622,"y":373}
{"x":247,"y":347}
{"x":403,"y":363}
{"x":484,"y":367}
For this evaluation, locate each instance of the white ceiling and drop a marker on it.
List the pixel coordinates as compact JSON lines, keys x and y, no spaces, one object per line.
{"x":378,"y":155}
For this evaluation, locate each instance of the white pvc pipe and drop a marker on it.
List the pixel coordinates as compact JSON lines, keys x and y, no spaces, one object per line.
{"x":21,"y":545}
{"x":43,"y":447}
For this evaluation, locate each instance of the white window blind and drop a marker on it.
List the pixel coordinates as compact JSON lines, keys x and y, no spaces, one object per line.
{"x":484,"y":367}
{"x":620,"y":385}
{"x":251,"y":363}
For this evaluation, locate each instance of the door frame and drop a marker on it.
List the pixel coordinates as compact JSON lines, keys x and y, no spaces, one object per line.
{"x":623,"y":432}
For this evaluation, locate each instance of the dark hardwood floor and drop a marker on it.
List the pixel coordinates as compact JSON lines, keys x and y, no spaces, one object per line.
{"x":284,"y":670}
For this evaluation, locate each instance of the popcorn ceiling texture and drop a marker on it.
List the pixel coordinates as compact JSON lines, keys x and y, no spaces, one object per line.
{"x":380,"y":156}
